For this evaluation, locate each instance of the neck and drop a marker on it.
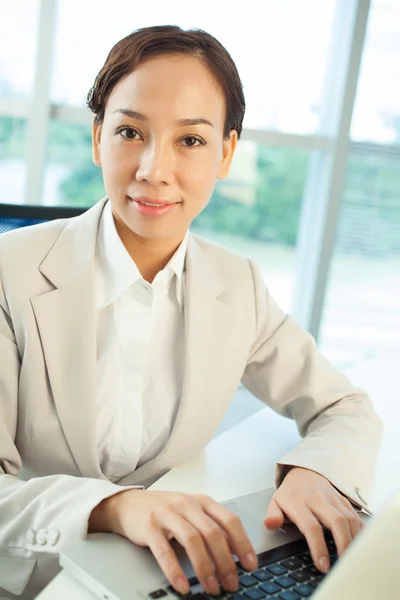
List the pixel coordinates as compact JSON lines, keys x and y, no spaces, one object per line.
{"x":149,"y":255}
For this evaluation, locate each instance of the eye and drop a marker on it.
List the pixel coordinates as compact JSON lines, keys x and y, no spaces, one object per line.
{"x":128,"y":133}
{"x":192,"y":139}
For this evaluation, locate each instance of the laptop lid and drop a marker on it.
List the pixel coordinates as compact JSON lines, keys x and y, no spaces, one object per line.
{"x":370,"y":567}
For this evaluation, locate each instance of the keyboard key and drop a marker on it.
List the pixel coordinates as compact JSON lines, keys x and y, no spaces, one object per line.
{"x":173,"y":591}
{"x":285,"y":581}
{"x":292,"y":563}
{"x":262,"y":575}
{"x":193,"y":581}
{"x":157,"y":594}
{"x":254,"y":594}
{"x":328,"y":535}
{"x":300,"y":576}
{"x":289,"y":595}
{"x":270,"y":587}
{"x":312,"y":571}
{"x":238,"y":597}
{"x":277,"y":569}
{"x":314,"y":583}
{"x":305,"y":558}
{"x":304,"y":590}
{"x":247,"y":581}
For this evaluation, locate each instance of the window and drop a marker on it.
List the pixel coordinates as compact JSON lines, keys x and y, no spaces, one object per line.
{"x":362,"y":309}
{"x":12,"y":159}
{"x":281,"y":56}
{"x":18,"y":33}
{"x":377,"y":113}
{"x":71,"y":178}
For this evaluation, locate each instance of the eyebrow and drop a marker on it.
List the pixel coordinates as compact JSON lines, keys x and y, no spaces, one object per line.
{"x":183,"y":122}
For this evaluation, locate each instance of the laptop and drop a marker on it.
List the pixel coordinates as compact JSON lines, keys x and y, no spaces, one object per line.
{"x":113,"y":568}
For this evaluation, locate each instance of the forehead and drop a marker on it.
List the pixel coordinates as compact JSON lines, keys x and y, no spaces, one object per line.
{"x":178,"y":86}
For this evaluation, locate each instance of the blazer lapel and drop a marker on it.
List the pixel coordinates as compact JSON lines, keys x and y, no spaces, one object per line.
{"x":66,"y":321}
{"x":208,"y":328}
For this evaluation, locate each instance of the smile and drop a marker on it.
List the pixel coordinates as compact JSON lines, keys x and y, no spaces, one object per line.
{"x":151,"y":204}
{"x":153,"y":209}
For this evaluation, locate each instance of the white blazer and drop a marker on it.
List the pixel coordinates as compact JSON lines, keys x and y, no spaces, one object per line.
{"x":50,"y":477}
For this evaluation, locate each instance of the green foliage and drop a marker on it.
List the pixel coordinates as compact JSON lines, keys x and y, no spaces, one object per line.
{"x":12,"y":136}
{"x":275,"y":213}
{"x":84,"y":187}
{"x":72,"y":145}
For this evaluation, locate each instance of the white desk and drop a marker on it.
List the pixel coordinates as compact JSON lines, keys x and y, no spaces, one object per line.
{"x":242,"y":460}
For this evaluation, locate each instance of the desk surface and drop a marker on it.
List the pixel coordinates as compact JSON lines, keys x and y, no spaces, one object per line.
{"x":222,"y":469}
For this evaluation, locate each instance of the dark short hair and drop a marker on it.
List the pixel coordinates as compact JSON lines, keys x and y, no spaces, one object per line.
{"x":148,"y":42}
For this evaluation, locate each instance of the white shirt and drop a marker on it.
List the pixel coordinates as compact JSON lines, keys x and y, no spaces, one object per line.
{"x":140,"y":351}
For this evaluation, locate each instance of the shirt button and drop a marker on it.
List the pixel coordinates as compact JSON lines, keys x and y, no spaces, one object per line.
{"x":41,"y":537}
{"x":31,"y":536}
{"x":53,"y":536}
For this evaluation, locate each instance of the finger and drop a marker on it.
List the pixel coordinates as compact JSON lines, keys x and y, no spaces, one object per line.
{"x":167,"y":560}
{"x":215,"y":539}
{"x":336,"y":521}
{"x":190,"y":538}
{"x":308,"y":524}
{"x":312,"y":530}
{"x":232,"y":525}
{"x":355,"y":522}
{"x":275,"y":516}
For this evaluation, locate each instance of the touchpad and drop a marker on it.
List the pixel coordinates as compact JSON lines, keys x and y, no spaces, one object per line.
{"x":261,"y":538}
{"x":252,"y":525}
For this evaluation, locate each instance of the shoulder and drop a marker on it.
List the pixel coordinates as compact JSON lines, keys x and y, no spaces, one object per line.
{"x":221,"y":254}
{"x":232,"y":265}
{"x":29,"y":245}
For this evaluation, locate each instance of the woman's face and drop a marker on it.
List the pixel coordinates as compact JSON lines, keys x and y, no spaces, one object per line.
{"x":152,"y":145}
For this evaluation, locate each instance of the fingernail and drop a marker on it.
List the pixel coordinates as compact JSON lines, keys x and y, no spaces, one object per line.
{"x":231,"y":583}
{"x":251,"y":560}
{"x":212,"y":585}
{"x":324,"y":564}
{"x":182,"y":586}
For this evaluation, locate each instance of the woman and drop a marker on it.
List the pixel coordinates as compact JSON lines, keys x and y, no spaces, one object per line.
{"x":124,"y":338}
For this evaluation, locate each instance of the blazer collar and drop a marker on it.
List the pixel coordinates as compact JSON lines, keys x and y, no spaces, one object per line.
{"x":73,"y":252}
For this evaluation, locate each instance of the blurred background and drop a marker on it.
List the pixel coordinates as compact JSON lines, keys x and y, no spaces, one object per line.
{"x":314,"y":191}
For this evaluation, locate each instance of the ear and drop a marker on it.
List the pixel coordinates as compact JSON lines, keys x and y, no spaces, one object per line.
{"x":228,"y":150}
{"x":96,"y":138}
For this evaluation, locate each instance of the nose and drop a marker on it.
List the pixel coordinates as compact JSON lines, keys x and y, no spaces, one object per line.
{"x":156,"y":164}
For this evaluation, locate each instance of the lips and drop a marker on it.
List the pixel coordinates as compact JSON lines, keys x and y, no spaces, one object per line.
{"x":152,"y":201}
{"x":151,"y":207}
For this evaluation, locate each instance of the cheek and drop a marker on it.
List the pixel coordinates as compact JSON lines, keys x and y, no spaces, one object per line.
{"x":200,"y":174}
{"x":198,"y":187}
{"x":116,"y":164}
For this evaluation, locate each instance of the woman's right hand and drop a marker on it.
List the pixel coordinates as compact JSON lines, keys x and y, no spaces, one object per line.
{"x":209,"y":532}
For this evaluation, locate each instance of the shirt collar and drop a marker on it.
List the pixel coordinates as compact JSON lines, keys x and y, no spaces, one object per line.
{"x":116,"y":271}
{"x":175,"y":267}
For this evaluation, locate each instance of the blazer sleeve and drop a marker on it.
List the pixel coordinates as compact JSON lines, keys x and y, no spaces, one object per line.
{"x":341,"y":431}
{"x":42,"y":514}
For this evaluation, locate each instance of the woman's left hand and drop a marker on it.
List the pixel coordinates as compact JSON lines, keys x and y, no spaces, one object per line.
{"x":310,"y":501}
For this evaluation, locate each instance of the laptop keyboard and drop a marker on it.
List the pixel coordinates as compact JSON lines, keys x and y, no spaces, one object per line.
{"x":284,"y":573}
